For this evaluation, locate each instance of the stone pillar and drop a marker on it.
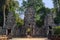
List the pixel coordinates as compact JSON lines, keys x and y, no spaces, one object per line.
{"x":12,"y":32}
{"x":6,"y":32}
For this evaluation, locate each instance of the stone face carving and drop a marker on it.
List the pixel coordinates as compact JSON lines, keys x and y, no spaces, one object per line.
{"x":10,"y":20}
{"x":29,"y":20}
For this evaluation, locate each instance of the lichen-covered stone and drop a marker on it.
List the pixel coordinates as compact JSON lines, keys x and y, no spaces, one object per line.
{"x":29,"y":20}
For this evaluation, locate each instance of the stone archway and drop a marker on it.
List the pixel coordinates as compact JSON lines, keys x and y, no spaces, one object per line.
{"x":50,"y":30}
{"x":8,"y":31}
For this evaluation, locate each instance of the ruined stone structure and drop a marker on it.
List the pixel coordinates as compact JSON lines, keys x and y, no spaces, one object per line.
{"x":47,"y":29}
{"x":10,"y":24}
{"x":29,"y":21}
{"x":48,"y":24}
{"x":29,"y":27}
{"x":44,"y":31}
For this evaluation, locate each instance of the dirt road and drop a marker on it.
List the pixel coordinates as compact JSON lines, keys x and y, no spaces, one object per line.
{"x":29,"y":39}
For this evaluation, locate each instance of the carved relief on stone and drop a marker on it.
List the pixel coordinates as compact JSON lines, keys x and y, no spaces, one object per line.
{"x":29,"y":19}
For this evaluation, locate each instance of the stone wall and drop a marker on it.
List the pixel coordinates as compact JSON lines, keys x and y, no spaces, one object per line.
{"x":2,"y":31}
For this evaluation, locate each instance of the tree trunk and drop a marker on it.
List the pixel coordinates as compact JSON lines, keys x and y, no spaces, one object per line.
{"x":4,"y":11}
{"x":4,"y":7}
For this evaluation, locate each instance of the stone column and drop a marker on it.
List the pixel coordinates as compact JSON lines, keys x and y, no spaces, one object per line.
{"x":6,"y":32}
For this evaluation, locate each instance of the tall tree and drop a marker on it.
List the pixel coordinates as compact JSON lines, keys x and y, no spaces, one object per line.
{"x":57,"y":10}
{"x":7,"y":6}
{"x":6,"y":2}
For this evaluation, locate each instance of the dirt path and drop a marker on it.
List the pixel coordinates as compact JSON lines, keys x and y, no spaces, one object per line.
{"x":29,"y":39}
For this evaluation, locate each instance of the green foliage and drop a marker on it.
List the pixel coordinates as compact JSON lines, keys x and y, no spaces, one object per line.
{"x":28,"y":30}
{"x":35,"y":3}
{"x":42,"y":13}
{"x":57,"y":18}
{"x":19,"y":21}
{"x":57,"y":30}
{"x":13,"y":6}
{"x":57,"y":11}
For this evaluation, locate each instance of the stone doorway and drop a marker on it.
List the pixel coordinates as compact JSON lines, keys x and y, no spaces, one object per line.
{"x":28,"y":32}
{"x":50,"y":31}
{"x":8,"y":31}
{"x":50,"y":27}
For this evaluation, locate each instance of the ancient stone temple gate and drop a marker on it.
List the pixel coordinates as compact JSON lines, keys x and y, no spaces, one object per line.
{"x":29,"y":21}
{"x":29,"y":27}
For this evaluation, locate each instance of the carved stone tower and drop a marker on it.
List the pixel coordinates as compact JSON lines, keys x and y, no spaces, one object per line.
{"x":29,"y":21}
{"x":10,"y":24}
{"x":48,"y":24}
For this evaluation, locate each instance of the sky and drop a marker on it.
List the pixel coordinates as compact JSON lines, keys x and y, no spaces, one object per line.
{"x":48,"y":4}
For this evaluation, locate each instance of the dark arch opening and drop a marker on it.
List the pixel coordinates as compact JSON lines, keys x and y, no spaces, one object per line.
{"x":50,"y":30}
{"x":29,"y":24}
{"x":50,"y":27}
{"x":9,"y":31}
